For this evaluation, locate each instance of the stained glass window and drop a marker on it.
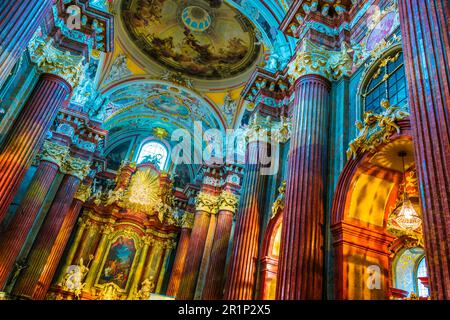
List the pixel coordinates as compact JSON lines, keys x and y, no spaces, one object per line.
{"x":388,"y":82}
{"x":155,"y":153}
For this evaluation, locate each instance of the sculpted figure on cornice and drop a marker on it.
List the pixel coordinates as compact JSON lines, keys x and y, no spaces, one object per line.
{"x":119,"y":69}
{"x":52,"y":60}
{"x":376,"y":129}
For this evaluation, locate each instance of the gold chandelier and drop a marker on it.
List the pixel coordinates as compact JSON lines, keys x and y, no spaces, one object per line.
{"x":406,"y":216}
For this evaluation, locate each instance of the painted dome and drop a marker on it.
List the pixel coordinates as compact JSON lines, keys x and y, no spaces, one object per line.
{"x":196,"y":18}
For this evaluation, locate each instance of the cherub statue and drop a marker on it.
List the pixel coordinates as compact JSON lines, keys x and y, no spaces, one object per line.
{"x":147,"y":288}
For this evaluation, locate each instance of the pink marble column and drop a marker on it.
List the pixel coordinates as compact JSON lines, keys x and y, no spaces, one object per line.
{"x":33,"y":283}
{"x":27,"y":134}
{"x":178,"y":265}
{"x":213,"y":289}
{"x":300,"y":270}
{"x":241,"y":279}
{"x":13,"y":239}
{"x":426,"y":46}
{"x":19,"y":20}
{"x":196,"y":246}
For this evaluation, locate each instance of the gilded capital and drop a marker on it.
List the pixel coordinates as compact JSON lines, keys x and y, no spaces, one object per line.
{"x":206,"y":202}
{"x":76,"y":167}
{"x":228,"y":201}
{"x":53,"y":152}
{"x":314,"y":59}
{"x":107,"y":229}
{"x":52,"y":60}
{"x":188,"y":220}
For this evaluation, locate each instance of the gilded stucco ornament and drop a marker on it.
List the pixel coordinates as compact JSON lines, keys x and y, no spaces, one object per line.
{"x":187,"y":221}
{"x":281,"y":132}
{"x":83,"y":193}
{"x":228,"y":201}
{"x":76,"y":167}
{"x":376,"y":129}
{"x":313,"y":59}
{"x":52,"y":60}
{"x":259,"y":128}
{"x":279,"y":203}
{"x":206,"y":202}
{"x":53,"y":152}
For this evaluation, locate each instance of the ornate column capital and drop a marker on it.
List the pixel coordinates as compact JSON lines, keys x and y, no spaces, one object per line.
{"x":54,"y":61}
{"x":228,"y":201}
{"x":76,"y":167}
{"x":187,"y":221}
{"x":107,"y":229}
{"x":206,"y":202}
{"x":314,"y":59}
{"x":259,"y":128}
{"x":54,"y":153}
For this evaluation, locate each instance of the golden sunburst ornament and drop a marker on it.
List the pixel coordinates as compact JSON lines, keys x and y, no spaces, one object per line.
{"x":160,"y":133}
{"x":143,"y":193}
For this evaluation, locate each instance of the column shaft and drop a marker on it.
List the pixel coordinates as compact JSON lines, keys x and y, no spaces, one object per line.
{"x":50,"y":242}
{"x":426,"y":45}
{"x":27,"y":133}
{"x":213,"y":289}
{"x":196,"y":246}
{"x":300,"y":270}
{"x":13,"y":239}
{"x":19,"y":20}
{"x":178,"y":265}
{"x":241,"y":279}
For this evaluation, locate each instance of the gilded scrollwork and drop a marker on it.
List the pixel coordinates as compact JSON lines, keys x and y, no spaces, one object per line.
{"x":376,"y":129}
{"x":83,"y":193}
{"x":187,"y":221}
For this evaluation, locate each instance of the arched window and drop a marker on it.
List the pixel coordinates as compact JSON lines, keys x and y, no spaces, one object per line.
{"x":421,"y":272}
{"x":153,"y":152}
{"x":388,"y":82}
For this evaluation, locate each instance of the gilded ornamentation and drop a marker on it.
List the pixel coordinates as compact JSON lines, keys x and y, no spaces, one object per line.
{"x":107,"y":229}
{"x":53,"y":152}
{"x":313,"y":59}
{"x":73,"y":279}
{"x":83,"y":193}
{"x":282,"y":131}
{"x":206,"y":202}
{"x":52,"y":60}
{"x":188,"y":220}
{"x":143,"y":191}
{"x":278,"y":205}
{"x":228,"y":201}
{"x":376,"y":129}
{"x":76,"y":167}
{"x":147,"y":288}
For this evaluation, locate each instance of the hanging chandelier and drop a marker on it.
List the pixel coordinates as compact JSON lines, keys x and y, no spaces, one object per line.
{"x":405,"y":215}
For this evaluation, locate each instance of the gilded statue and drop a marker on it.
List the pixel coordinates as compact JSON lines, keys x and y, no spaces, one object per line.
{"x":147,"y":288}
{"x":279,"y":202}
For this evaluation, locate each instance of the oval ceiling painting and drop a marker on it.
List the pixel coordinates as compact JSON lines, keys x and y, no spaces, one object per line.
{"x":192,"y":36}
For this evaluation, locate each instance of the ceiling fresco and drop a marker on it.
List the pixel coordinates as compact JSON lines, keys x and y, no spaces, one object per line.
{"x":192,"y":37}
{"x":154,"y":104}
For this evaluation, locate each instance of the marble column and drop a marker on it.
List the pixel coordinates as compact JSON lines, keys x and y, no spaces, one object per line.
{"x":426,"y":46}
{"x":19,"y":20}
{"x":27,"y":133}
{"x":241,"y":278}
{"x":53,"y":235}
{"x":180,"y":257}
{"x":213,"y":289}
{"x":300,"y":270}
{"x":205,"y":206}
{"x":13,"y":239}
